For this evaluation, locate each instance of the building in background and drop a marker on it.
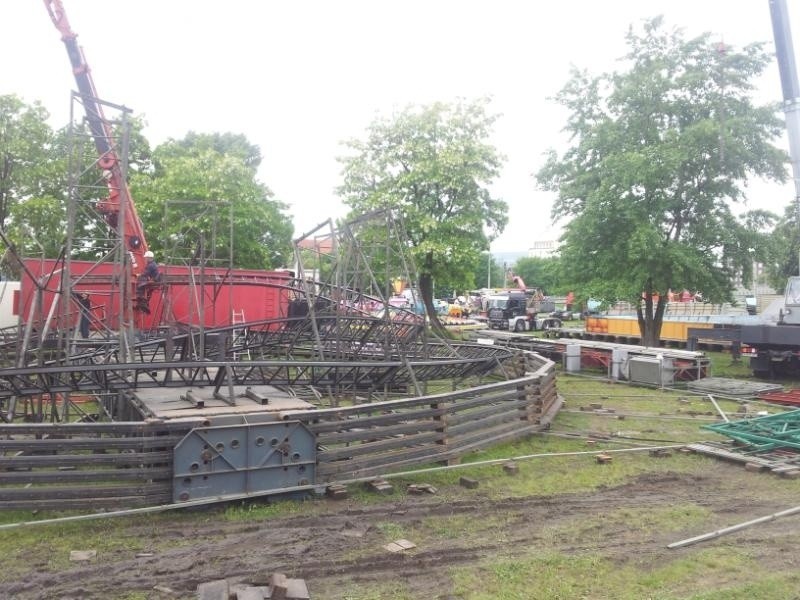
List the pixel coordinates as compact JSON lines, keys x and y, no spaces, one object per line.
{"x":542,"y":249}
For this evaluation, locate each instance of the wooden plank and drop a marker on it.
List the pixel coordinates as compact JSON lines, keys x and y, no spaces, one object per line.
{"x":88,"y":503}
{"x":79,"y":460}
{"x":483,"y":391}
{"x":456,"y":431}
{"x":385,"y":461}
{"x":488,"y":411}
{"x":374,"y":421}
{"x":95,"y":491}
{"x":76,"y":444}
{"x":148,"y":428}
{"x":131,"y":474}
{"x":371,"y":447}
{"x":378,"y":432}
{"x":442,"y":408}
{"x":489,"y":436}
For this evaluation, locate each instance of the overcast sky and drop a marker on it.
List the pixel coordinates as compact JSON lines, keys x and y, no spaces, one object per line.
{"x":299,"y":77}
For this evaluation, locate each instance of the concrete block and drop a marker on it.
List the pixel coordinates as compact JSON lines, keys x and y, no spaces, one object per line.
{"x":214,"y":590}
{"x":381,"y":486}
{"x":277,"y":586}
{"x":468,"y":483}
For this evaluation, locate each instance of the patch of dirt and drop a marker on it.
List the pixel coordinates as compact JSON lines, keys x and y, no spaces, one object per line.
{"x":344,"y":546}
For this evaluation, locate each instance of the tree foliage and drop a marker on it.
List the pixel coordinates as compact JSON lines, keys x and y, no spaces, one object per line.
{"x":542,"y":273}
{"x":32,"y":179}
{"x":433,"y":165}
{"x":201,"y":189}
{"x":783,"y":250}
{"x":487,"y":272}
{"x":659,"y":153}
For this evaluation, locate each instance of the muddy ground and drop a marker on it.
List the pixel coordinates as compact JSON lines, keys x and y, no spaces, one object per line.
{"x":342,"y":548}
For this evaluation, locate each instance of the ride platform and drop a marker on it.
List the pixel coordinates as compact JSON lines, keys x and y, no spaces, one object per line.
{"x":266,"y":401}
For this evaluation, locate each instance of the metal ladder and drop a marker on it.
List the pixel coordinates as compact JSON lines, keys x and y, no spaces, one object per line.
{"x":239,"y":336}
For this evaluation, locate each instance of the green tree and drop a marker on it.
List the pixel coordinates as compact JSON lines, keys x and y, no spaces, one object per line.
{"x":202,"y":186}
{"x":543,"y":273}
{"x":432,"y":164}
{"x":485,"y":265}
{"x":783,"y":250}
{"x":32,"y":179}
{"x":658,"y":155}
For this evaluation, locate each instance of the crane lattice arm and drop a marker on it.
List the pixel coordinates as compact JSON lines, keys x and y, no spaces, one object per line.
{"x":119,"y":197}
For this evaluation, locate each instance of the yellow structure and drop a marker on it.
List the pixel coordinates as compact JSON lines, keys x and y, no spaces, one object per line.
{"x":671,"y":330}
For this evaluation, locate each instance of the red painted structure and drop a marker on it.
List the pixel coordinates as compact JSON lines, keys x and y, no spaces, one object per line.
{"x":183,"y":295}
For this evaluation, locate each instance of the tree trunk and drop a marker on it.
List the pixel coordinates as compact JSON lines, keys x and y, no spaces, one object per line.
{"x":426,"y":289}
{"x":651,"y":321}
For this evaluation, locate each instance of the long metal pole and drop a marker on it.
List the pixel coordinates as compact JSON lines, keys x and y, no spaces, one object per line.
{"x":733,"y":528}
{"x":299,"y":488}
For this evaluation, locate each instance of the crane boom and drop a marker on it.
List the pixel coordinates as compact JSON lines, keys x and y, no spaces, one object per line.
{"x":119,"y":197}
{"x":784,"y":50}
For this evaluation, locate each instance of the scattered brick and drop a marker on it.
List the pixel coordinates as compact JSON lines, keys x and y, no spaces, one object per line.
{"x":336,"y":491}
{"x":277,"y":586}
{"x":421,"y":488}
{"x":468,"y":483}
{"x":82,"y":555}
{"x":399,"y":545}
{"x":381,"y":486}
{"x":511,"y":468}
{"x":214,"y":590}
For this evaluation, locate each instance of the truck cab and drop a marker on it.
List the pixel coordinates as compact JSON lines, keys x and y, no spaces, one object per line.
{"x":790,"y":315}
{"x":517,"y":311}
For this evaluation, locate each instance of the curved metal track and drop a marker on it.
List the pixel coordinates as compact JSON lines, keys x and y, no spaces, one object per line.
{"x":357,"y":353}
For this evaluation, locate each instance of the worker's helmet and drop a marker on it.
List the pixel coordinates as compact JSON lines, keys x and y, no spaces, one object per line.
{"x":149,"y":254}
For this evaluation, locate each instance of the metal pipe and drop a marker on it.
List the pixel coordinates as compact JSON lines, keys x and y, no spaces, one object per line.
{"x":719,"y":410}
{"x":300,"y":488}
{"x":732,"y":528}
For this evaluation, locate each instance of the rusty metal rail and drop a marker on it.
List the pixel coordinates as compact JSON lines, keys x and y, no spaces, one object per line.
{"x":90,"y":466}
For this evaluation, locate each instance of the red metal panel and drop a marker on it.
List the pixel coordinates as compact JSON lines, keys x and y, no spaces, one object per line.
{"x":790,"y":397}
{"x":187,"y":295}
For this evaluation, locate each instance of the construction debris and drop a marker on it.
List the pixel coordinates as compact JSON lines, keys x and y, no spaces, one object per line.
{"x":511,"y":468}
{"x":421,"y":488}
{"x":399,"y":545}
{"x":468,"y":483}
{"x":82,"y":555}
{"x":279,"y":587}
{"x":381,"y":486}
{"x":337,"y":491}
{"x":726,"y":530}
{"x":732,"y":388}
{"x":214,"y":590}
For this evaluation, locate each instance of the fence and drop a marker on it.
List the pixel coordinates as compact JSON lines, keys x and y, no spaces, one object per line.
{"x":91,"y":466}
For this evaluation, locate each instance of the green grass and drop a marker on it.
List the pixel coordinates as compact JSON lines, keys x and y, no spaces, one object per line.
{"x":553,"y":576}
{"x":652,"y":416}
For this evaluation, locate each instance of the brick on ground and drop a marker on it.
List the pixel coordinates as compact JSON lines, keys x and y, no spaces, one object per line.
{"x":214,"y":590}
{"x":468,"y":482}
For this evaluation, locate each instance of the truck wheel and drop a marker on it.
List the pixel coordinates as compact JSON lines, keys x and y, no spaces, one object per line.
{"x":519,"y":326}
{"x":551,"y":324}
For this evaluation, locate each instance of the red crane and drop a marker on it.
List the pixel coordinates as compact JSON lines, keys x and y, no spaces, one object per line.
{"x":119,"y":197}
